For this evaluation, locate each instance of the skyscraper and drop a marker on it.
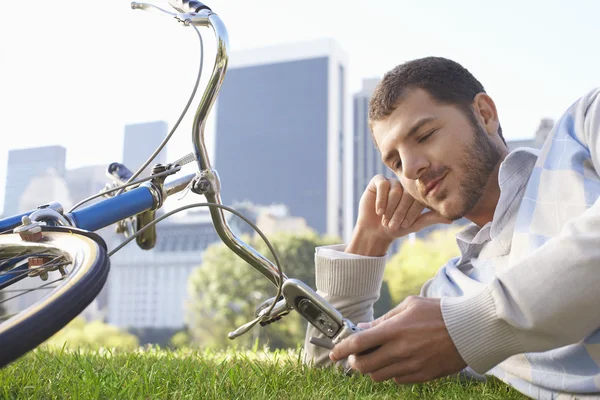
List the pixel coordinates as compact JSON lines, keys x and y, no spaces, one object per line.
{"x":25,"y":164}
{"x":140,"y":141}
{"x":281,"y":131}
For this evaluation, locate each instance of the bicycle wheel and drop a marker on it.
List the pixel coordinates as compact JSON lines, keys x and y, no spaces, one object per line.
{"x":74,"y":265}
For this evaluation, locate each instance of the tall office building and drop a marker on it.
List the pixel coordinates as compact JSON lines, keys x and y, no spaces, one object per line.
{"x":140,"y":141}
{"x":25,"y":164}
{"x":281,"y":131}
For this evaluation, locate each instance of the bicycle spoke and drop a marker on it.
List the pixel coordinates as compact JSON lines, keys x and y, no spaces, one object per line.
{"x":43,"y":266}
{"x":21,"y":254}
{"x":31,"y":290}
{"x":20,"y":290}
{"x":23,"y":271}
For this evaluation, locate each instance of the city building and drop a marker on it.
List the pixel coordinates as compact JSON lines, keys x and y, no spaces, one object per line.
{"x":23,"y":165}
{"x":282,"y":132}
{"x":148,"y":289}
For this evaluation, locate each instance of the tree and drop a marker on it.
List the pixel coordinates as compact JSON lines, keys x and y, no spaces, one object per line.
{"x":94,"y":335}
{"x":419,"y":261}
{"x":180,"y":340}
{"x":224,"y":292}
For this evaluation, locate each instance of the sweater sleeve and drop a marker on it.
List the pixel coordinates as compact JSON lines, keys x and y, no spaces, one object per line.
{"x":351,"y":284}
{"x":546,"y":300}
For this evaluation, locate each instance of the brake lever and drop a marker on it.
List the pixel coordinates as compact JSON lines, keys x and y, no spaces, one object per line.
{"x":322,"y":315}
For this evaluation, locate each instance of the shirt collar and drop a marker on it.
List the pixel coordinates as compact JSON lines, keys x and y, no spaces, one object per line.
{"x":513,"y":175}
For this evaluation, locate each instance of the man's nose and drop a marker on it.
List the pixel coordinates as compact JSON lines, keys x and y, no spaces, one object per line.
{"x":414,"y":165}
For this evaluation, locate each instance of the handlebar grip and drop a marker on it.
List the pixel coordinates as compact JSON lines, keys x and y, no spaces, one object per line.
{"x":187,"y":6}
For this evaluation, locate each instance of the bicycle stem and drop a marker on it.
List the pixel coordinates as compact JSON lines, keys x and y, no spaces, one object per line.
{"x":242,"y":249}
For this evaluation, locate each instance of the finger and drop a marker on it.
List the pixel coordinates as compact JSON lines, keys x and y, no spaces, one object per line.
{"x":394,"y":196}
{"x":412,"y":214}
{"x":358,"y":343}
{"x":372,"y":361}
{"x":407,"y":205}
{"x":364,"y":325}
{"x":380,"y":186}
{"x":402,"y":371}
{"x":407,"y":302}
{"x":429,"y":218}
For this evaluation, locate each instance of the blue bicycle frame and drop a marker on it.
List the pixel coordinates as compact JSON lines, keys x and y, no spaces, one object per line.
{"x":101,"y":214}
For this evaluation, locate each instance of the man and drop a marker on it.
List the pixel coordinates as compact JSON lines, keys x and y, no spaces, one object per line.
{"x":522,"y":302}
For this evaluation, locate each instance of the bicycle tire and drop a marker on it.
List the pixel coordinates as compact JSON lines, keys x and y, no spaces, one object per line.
{"x":38,"y":322}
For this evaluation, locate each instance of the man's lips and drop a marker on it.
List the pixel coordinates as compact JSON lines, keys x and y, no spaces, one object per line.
{"x":433,"y":184}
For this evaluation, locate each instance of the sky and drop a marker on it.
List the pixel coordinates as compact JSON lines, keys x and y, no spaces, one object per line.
{"x":74,"y":73}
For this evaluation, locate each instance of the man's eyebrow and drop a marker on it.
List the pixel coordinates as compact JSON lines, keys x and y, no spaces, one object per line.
{"x":411,"y":132}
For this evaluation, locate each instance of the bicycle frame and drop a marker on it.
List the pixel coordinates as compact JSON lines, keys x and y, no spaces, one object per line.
{"x":150,"y":196}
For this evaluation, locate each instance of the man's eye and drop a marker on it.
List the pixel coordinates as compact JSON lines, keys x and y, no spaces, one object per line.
{"x":427,"y":136}
{"x":398,"y":164}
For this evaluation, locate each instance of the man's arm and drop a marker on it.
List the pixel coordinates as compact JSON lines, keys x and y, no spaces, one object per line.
{"x":543,"y":302}
{"x":351,"y":283}
{"x":350,"y":277}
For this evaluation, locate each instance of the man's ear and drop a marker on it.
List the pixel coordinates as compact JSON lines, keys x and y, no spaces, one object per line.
{"x":486,"y":113}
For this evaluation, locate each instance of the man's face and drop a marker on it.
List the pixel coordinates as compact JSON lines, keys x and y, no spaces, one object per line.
{"x":442,"y":158}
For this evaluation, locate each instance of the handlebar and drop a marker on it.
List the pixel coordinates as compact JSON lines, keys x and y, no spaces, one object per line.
{"x":195,"y":13}
{"x":187,"y":6}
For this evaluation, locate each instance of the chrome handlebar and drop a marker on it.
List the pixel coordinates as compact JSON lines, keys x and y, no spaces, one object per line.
{"x":207,"y":183}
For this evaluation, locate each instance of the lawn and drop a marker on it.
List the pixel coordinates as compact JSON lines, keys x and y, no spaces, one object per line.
{"x":153,"y":373}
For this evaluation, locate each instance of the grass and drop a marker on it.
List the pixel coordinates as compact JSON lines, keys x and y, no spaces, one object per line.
{"x":153,"y":373}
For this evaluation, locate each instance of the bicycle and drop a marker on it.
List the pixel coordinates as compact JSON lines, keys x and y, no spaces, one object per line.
{"x":61,"y":249}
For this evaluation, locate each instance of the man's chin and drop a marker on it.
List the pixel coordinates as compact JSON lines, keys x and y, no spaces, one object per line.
{"x":452,"y":215}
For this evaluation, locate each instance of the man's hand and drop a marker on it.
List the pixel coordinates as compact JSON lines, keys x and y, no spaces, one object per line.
{"x":414,"y":345}
{"x":386,"y":212}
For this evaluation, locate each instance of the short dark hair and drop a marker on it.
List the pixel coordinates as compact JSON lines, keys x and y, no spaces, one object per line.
{"x":445,"y":80}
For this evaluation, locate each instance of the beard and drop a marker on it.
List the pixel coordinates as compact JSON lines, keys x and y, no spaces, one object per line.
{"x":478,"y":162}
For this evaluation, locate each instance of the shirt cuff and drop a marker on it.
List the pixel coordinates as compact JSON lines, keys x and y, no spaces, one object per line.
{"x":344,"y":274}
{"x":482,"y":339}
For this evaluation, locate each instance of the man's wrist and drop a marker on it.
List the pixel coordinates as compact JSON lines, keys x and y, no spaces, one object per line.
{"x":369,"y":245}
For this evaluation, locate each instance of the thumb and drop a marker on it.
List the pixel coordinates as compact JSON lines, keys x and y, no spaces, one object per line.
{"x":429,"y":218}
